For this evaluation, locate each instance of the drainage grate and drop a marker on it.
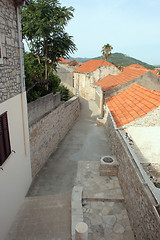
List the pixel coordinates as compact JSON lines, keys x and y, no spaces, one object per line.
{"x":107,"y":159}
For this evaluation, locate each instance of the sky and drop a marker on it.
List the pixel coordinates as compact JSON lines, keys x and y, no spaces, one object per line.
{"x":130,"y":27}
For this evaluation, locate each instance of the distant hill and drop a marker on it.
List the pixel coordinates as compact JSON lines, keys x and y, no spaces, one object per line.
{"x":118,"y":59}
{"x":79,"y":59}
{"x":123,"y":60}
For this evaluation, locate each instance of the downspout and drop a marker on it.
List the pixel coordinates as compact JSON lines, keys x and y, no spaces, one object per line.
{"x":21,"y":76}
{"x":101,"y":102}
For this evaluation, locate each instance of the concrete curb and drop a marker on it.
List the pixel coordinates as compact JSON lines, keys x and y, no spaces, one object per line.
{"x":76,"y":208}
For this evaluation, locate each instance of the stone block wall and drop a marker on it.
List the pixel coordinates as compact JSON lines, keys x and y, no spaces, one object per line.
{"x":66,"y":74}
{"x":84,"y":81}
{"x":46,"y":133}
{"x":10,"y":83}
{"x":150,"y":81}
{"x":102,"y":72}
{"x":38,"y":108}
{"x":139,"y":200}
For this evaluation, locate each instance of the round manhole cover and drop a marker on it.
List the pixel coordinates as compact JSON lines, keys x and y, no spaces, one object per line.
{"x":107,"y":159}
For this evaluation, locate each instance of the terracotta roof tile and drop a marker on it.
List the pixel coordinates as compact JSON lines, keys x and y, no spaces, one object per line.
{"x":92,"y":65}
{"x":137,"y":66}
{"x":131,"y":72}
{"x":132,"y":103}
{"x":63,"y":60}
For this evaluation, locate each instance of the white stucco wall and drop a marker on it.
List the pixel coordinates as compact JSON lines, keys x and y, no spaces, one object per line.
{"x":15,"y":178}
{"x":146,"y":143}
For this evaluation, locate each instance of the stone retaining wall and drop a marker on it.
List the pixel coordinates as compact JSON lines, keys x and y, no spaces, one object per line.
{"x":46,"y":133}
{"x":38,"y":108}
{"x":140,"y":202}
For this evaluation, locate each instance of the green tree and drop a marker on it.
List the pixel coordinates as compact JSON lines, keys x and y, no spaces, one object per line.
{"x":32,"y":70}
{"x":106,"y":50}
{"x":65,"y":93}
{"x":34,"y":87}
{"x":43,"y":28}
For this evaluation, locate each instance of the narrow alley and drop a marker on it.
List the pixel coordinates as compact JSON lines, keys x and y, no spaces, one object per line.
{"x":84,"y":142}
{"x":46,"y":212}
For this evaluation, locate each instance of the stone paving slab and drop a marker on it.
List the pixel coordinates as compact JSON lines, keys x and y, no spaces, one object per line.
{"x":107,"y":220}
{"x":102,"y":204}
{"x":43,"y":218}
{"x":97,"y":187}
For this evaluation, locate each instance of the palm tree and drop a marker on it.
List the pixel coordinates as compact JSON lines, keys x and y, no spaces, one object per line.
{"x":106,"y":50}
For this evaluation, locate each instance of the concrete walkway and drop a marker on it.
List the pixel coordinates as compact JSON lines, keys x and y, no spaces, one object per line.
{"x":85,"y":142}
{"x":46,"y":212}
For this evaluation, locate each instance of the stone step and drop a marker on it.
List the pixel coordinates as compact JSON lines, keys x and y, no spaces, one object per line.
{"x":96,"y":187}
{"x":76,"y":204}
{"x":44,"y":217}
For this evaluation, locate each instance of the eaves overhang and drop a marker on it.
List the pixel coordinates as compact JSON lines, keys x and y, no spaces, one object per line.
{"x":21,"y":2}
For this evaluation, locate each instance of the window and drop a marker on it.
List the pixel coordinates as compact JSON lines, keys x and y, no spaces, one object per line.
{"x":5,"y":147}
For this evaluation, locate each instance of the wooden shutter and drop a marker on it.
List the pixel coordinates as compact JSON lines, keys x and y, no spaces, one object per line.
{"x":2,"y":147}
{"x":6,"y":135}
{"x":5,"y":147}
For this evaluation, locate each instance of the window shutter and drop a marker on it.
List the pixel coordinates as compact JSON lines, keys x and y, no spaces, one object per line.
{"x":6,"y":135}
{"x":2,"y":147}
{"x":5,"y":148}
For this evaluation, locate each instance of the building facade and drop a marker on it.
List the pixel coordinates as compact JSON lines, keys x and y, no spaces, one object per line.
{"x":90,"y":72}
{"x":15,"y":167}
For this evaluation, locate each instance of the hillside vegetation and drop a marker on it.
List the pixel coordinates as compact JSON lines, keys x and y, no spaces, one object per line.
{"x":119,"y":59}
{"x":123,"y":60}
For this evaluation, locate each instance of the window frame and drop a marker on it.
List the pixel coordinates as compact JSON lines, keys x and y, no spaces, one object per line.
{"x":5,"y":146}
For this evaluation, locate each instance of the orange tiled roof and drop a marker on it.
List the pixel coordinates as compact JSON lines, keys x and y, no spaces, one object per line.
{"x":129,"y":73}
{"x":92,"y":65}
{"x":136,"y":66}
{"x":63,"y":60}
{"x":132,"y":103}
